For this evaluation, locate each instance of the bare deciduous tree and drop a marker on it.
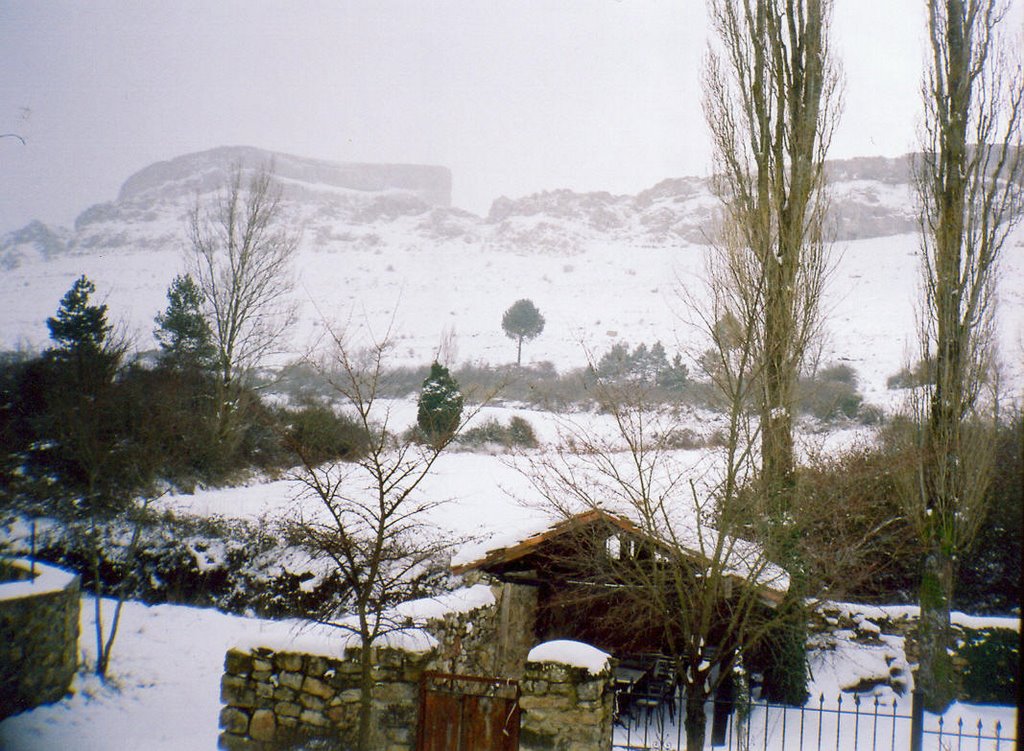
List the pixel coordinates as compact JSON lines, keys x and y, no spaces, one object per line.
{"x":690,"y":583}
{"x":969,"y":183}
{"x":771,"y":100}
{"x":371,"y":523}
{"x":240,"y":257}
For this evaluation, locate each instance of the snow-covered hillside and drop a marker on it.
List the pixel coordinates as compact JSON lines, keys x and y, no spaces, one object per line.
{"x":381,"y":243}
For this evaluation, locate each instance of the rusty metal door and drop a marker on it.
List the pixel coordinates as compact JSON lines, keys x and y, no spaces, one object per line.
{"x":468,"y":713}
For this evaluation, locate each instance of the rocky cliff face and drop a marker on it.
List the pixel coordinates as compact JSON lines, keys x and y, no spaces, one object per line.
{"x":338,"y":205}
{"x":303,"y":178}
{"x":871,"y":197}
{"x":33,"y":242}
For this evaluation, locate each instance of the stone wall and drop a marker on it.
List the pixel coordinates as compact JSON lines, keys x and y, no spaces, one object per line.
{"x":275,"y":698}
{"x":491,"y":641}
{"x":38,"y":635}
{"x":565,"y":709}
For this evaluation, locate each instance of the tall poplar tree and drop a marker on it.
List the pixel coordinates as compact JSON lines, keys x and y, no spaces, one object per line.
{"x":771,"y":102}
{"x":969,"y":182}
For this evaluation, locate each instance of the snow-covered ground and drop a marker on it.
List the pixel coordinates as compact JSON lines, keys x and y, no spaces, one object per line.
{"x":592,"y":299}
{"x":164,"y":694}
{"x":168,"y":660}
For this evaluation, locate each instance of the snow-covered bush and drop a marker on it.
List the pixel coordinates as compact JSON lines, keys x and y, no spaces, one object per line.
{"x":518,"y":433}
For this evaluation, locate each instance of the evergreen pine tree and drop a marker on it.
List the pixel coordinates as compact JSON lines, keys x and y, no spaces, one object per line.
{"x":81,"y":331}
{"x":440,"y":405}
{"x":79,"y":328}
{"x":522,"y":321}
{"x":184,"y":335}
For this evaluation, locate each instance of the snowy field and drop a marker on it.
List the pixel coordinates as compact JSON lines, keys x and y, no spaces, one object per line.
{"x":590,"y":300}
{"x":167,"y":661}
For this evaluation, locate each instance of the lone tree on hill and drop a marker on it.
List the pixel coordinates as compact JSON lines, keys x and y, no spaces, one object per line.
{"x":522,"y":321}
{"x":440,"y":405}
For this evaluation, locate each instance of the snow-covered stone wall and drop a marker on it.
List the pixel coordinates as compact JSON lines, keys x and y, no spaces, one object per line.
{"x":566,"y":707}
{"x":38,"y":634}
{"x":281,"y":694}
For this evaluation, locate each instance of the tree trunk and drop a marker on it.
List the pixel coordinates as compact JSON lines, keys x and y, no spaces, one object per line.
{"x":365,"y":697}
{"x":695,"y":721}
{"x":935,"y":673}
{"x":519,"y":352}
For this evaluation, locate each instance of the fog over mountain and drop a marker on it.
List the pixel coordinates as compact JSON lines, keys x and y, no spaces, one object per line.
{"x":381,"y":246}
{"x":337,"y":204}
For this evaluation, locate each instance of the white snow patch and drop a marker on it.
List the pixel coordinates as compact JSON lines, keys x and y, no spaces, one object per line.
{"x":463,"y":600}
{"x":47,"y":579}
{"x":572,"y":653}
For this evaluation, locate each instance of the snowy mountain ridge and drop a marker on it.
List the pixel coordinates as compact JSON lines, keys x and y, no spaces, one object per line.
{"x":339,"y":203}
{"x":601,"y":268}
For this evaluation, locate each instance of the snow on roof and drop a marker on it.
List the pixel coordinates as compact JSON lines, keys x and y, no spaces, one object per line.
{"x":48,"y":579}
{"x":741,"y":559}
{"x":514,"y":543}
{"x":572,"y":653}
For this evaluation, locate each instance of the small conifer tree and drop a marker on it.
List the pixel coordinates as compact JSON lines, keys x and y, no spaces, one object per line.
{"x":440,"y":404}
{"x":183,"y":333}
{"x":79,"y":328}
{"x":80,"y":332}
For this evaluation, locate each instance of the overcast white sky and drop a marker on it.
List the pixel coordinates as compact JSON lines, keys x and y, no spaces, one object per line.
{"x":514,"y":96}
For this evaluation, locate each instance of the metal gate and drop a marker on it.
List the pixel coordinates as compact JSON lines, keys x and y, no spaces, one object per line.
{"x":468,"y":713}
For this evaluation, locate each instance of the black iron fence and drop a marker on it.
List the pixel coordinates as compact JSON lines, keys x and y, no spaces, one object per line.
{"x":849,"y":723}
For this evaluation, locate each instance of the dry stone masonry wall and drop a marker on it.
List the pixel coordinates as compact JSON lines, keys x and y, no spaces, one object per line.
{"x":38,"y":634}
{"x":273,"y":699}
{"x":565,"y":709}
